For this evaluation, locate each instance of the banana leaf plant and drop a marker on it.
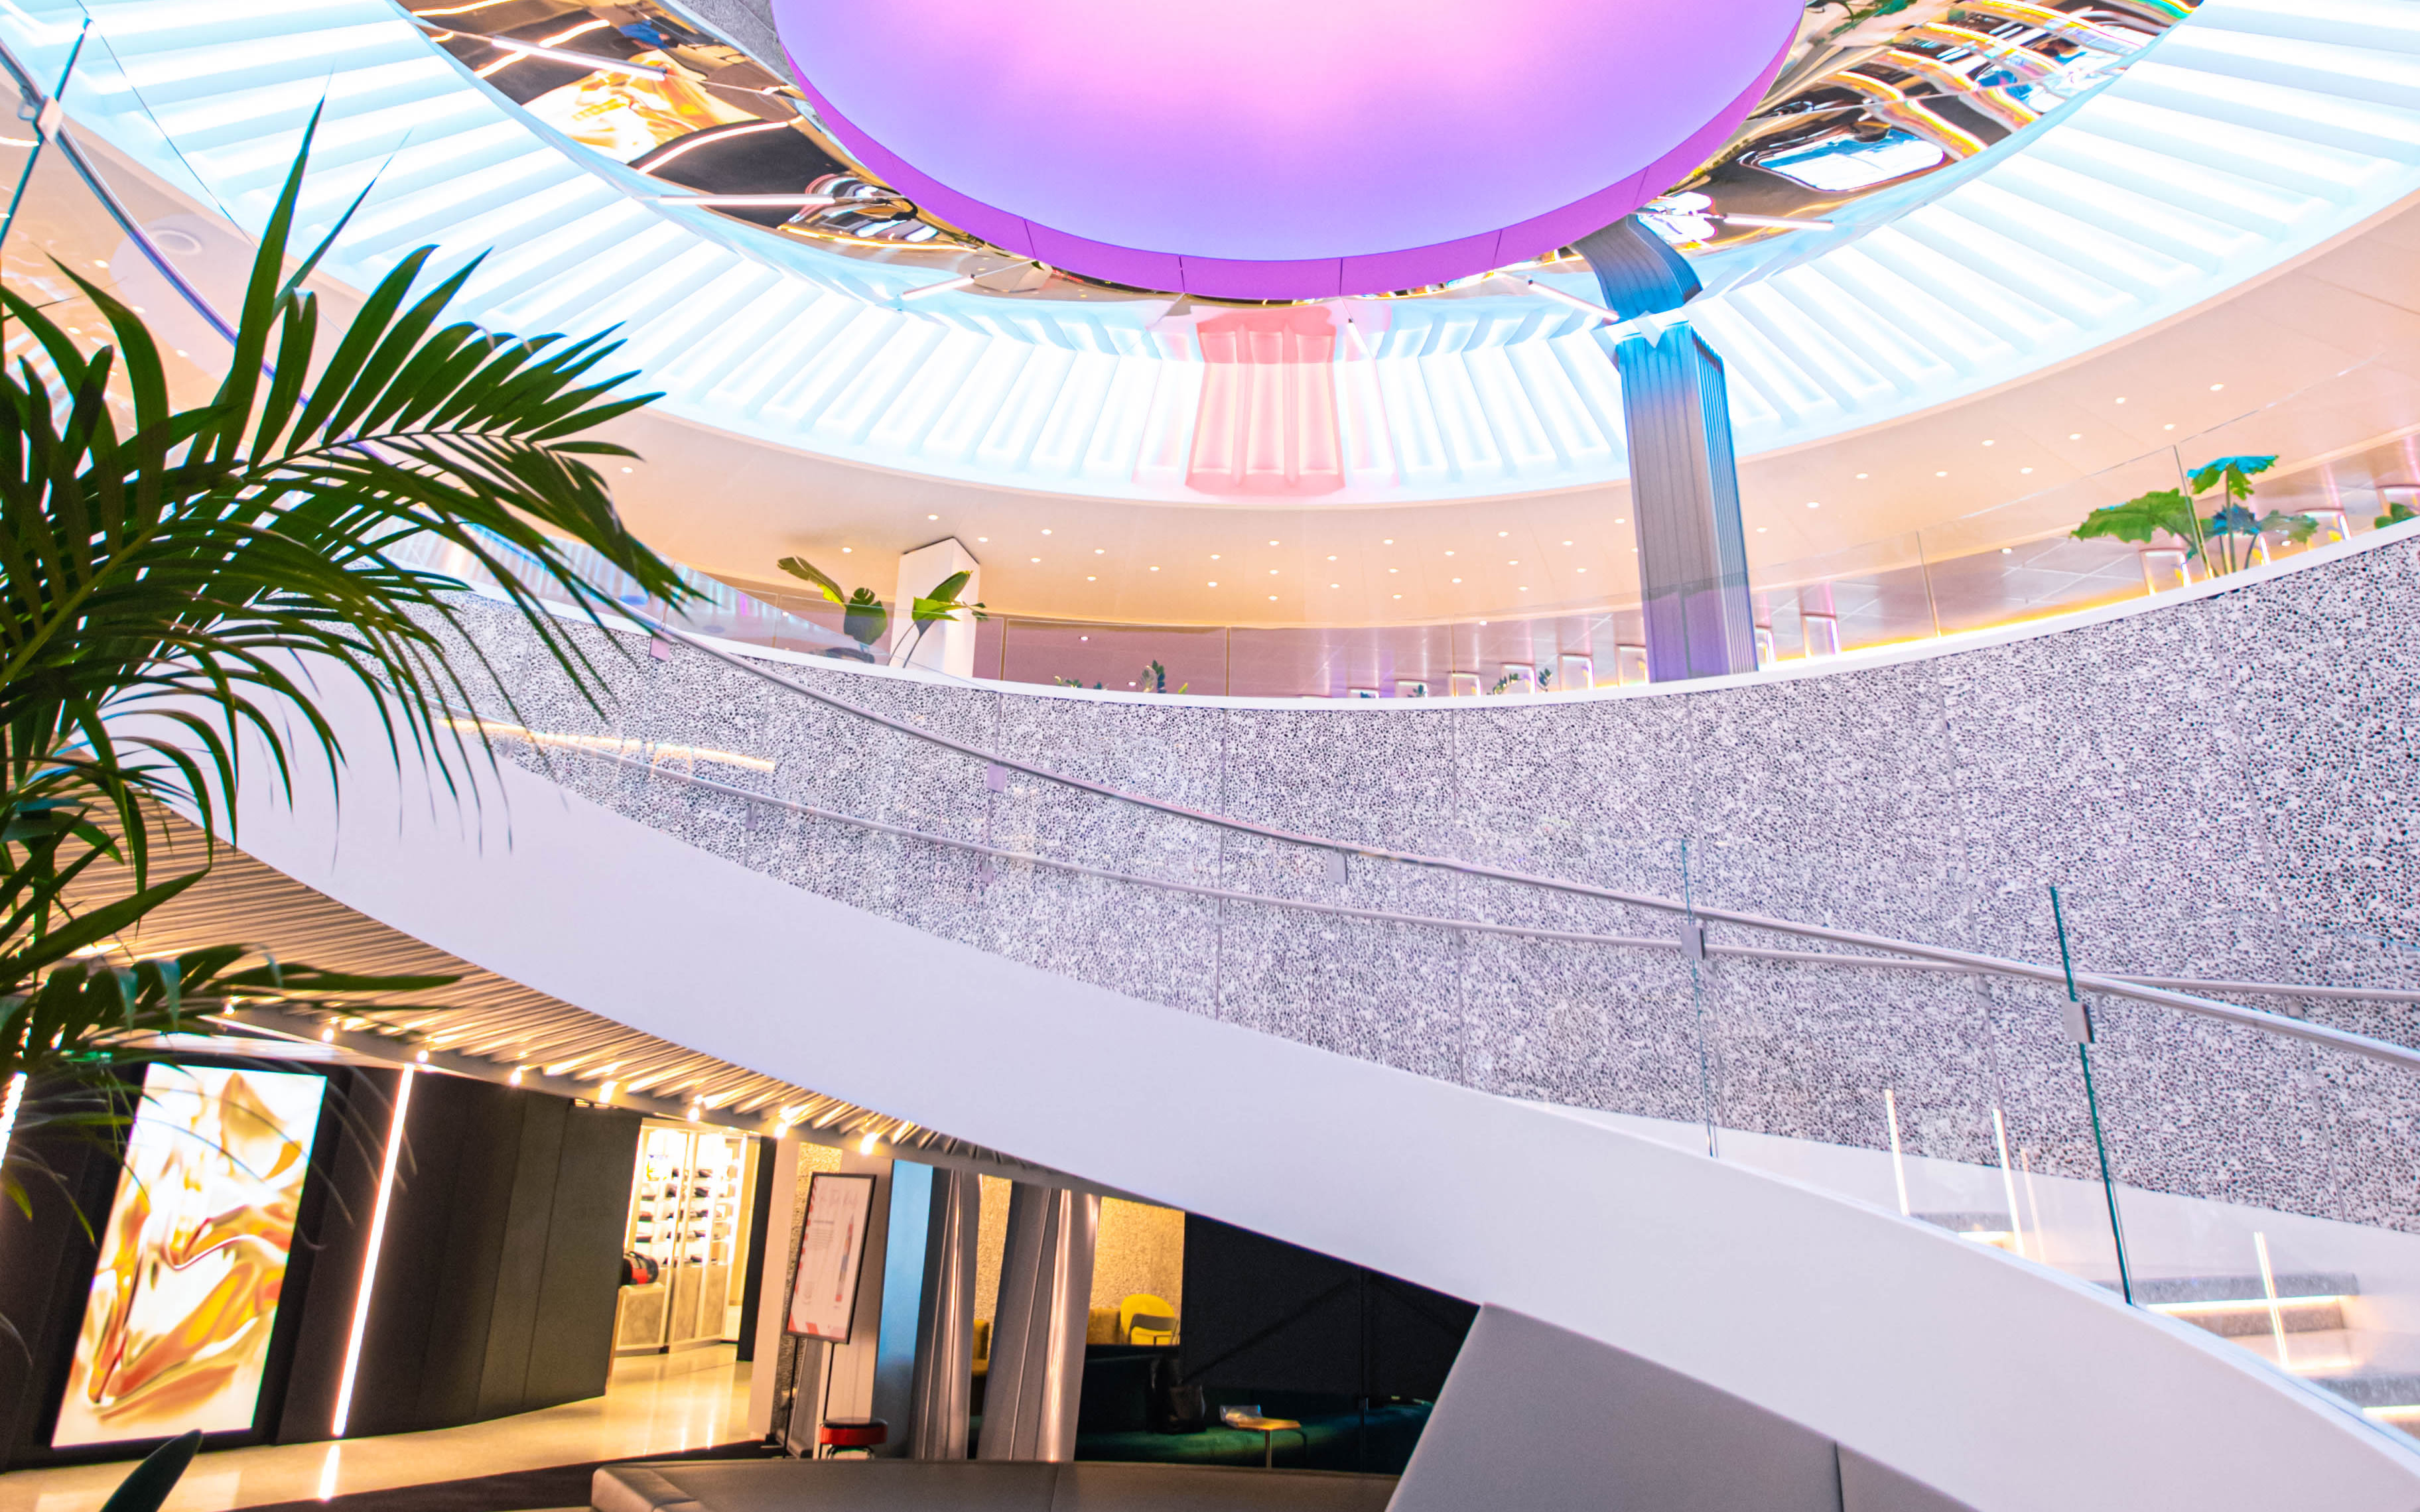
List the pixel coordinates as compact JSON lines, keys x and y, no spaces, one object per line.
{"x":180,"y":586}
{"x":863,"y":618}
{"x":2175,"y":513}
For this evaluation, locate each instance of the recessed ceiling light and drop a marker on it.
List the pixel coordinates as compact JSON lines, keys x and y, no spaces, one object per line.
{"x":1272,"y":542}
{"x":2121,"y":400}
{"x":1583,"y":569}
{"x":1988,"y":443}
{"x":1567,"y":542}
{"x":1331,"y":558}
{"x":1273,"y":572}
{"x":1622,"y":521}
{"x":2170,"y":425}
{"x":932,"y":517}
{"x":2075,"y":435}
{"x":982,"y":537}
{"x":1214,"y":556}
{"x":1214,"y":584}
{"x":1335,"y":585}
{"x":1941,"y":474}
{"x":1100,"y":550}
{"x":1389,"y":541}
{"x":846,"y":550}
{"x":1457,"y":580}
{"x":2025,"y":469}
{"x":1398,"y":596}
{"x":1865,"y":474}
{"x":1449,"y":553}
{"x":1046,"y":530}
{"x":1814,"y":504}
{"x":1394,"y":569}
{"x":2008,"y":550}
{"x":181,"y":354}
{"x":1759,"y":529}
{"x":1036,"y":558}
{"x":1154,"y":569}
{"x":1091,"y":579}
{"x":1523,"y":590}
{"x":1500,"y":534}
{"x":1273,"y":598}
{"x":2215,"y":387}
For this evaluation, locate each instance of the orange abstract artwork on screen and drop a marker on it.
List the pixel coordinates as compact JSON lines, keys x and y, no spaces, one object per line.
{"x":192,"y":1258}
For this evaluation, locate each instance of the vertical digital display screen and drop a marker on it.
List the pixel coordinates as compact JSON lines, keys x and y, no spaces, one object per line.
{"x":176,"y":1330}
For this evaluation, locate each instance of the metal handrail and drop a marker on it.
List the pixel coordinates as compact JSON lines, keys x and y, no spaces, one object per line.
{"x":1926,"y":957}
{"x":2139,"y":991}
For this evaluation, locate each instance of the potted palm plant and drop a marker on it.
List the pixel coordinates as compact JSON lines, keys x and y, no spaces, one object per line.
{"x":210,"y":568}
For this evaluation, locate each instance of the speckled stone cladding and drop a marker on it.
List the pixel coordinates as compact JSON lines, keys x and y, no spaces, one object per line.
{"x":2221,"y":787}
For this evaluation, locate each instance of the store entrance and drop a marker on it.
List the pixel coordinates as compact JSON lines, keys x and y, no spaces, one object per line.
{"x":685,"y":1241}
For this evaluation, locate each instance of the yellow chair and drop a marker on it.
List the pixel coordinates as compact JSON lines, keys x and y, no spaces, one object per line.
{"x":1144,"y":1319}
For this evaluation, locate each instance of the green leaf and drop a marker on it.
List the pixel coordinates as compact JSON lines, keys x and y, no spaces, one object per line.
{"x":801,"y":567}
{"x":2144,"y":516}
{"x":2396,"y":513}
{"x":2236,"y":471}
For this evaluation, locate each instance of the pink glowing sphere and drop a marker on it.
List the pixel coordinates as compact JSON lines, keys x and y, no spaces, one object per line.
{"x":1283,"y":150}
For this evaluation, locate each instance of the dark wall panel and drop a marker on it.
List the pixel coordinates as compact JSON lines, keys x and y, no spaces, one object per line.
{"x":1264,"y":1315}
{"x":335,"y":1235}
{"x":48,"y":1271}
{"x":571,"y":1348}
{"x":521,"y":1264}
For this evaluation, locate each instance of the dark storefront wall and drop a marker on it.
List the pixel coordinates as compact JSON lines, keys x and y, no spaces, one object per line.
{"x":495,"y":1285}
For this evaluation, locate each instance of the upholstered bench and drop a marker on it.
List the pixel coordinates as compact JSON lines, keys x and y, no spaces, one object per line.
{"x":977,"y":1485}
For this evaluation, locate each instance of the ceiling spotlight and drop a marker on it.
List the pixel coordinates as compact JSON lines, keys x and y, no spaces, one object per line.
{"x":2121,"y":400}
{"x":1987,"y":443}
{"x":1389,"y":541}
{"x":866,"y":1146}
{"x":846,"y":550}
{"x":1335,"y":585}
{"x":1457,"y":580}
{"x":2025,"y":469}
{"x":1759,"y":529}
{"x":1214,"y":556}
{"x":1046,"y":530}
{"x":932,"y":517}
{"x":1154,"y":569}
{"x":1941,"y":474}
{"x":1331,"y":559}
{"x":1272,"y":542}
{"x":1091,"y":579}
{"x":1622,"y":521}
{"x":2075,"y":435}
{"x":1865,"y":474}
{"x":1813,"y":503}
{"x":1500,"y":534}
{"x":1273,"y":598}
{"x":1035,"y":560}
{"x":982,"y":537}
{"x":1214,"y":584}
{"x":2215,"y":387}
{"x":1567,"y":542}
{"x":1100,"y":550}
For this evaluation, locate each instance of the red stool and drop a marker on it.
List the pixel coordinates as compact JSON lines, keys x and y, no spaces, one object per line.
{"x":850,"y":1433}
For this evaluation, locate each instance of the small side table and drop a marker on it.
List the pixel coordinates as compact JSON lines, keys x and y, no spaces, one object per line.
{"x":863,"y":1433}
{"x":1268,"y":1427}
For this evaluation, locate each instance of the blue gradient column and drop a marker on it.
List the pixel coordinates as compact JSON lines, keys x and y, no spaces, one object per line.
{"x":1685,"y":506}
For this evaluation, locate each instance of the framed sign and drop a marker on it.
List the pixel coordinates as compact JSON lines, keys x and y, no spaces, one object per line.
{"x":831,"y":1254}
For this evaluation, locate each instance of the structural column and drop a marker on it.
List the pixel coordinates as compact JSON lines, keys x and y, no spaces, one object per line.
{"x":945,"y":1323}
{"x":1685,"y":504}
{"x":1037,"y":1352}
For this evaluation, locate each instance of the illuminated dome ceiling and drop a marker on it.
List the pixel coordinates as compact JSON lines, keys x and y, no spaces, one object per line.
{"x":1283,"y":150}
{"x":2010,"y":186}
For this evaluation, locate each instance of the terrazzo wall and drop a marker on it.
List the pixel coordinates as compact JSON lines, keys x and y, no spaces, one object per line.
{"x":2221,"y":787}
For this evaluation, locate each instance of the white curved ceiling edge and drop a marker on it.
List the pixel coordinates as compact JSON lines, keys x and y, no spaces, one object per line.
{"x":1948,"y":1360}
{"x":2255,"y":132}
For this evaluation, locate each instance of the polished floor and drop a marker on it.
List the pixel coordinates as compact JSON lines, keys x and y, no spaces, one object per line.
{"x":655,"y":1404}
